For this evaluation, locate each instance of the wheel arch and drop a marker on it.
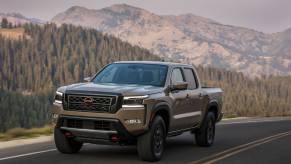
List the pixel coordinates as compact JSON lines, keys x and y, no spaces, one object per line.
{"x":163,"y":110}
{"x":213,"y":107}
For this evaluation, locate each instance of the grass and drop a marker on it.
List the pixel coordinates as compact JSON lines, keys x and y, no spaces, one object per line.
{"x":20,"y":133}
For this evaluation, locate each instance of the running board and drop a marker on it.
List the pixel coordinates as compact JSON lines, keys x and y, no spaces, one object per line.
{"x":181,"y":131}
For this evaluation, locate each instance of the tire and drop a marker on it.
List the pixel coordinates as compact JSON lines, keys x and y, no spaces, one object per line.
{"x":150,"y":146}
{"x":64,"y":144}
{"x":205,"y":134}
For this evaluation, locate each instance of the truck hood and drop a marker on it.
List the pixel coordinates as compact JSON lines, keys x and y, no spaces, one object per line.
{"x":126,"y":90}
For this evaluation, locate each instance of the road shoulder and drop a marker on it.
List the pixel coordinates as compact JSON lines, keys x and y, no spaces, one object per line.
{"x":41,"y":139}
{"x":23,"y":142}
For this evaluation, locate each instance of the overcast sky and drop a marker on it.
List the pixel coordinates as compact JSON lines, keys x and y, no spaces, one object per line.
{"x":262,"y":15}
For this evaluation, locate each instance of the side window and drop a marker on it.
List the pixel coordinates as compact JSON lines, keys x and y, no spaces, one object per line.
{"x":190,"y":78}
{"x":177,"y":76}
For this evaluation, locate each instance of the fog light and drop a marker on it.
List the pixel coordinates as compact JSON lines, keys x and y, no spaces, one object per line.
{"x":115,"y":138}
{"x":55,"y":116}
{"x":68,"y":134}
{"x":133,"y":121}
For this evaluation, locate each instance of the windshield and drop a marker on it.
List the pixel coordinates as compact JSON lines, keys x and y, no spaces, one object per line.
{"x":133,"y":73}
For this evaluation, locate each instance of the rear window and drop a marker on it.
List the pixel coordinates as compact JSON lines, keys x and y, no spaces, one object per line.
{"x":190,"y":78}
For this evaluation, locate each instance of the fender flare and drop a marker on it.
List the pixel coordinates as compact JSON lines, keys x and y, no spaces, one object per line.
{"x":158,"y":107}
{"x":212,"y":103}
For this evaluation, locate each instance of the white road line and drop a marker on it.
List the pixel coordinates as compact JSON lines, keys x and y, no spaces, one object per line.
{"x":252,"y":121}
{"x":240,"y":148}
{"x":27,"y":154}
{"x":50,"y":150}
{"x":32,"y":153}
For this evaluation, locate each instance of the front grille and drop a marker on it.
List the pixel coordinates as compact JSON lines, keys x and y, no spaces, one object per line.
{"x":88,"y":124}
{"x":96,"y":99}
{"x":74,"y":123}
{"x":91,"y":103}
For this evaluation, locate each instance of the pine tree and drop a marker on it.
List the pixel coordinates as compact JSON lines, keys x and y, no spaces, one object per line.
{"x":4,"y":23}
{"x":55,"y":56}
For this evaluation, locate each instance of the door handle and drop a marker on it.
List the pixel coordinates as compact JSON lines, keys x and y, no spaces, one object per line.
{"x":200,"y":95}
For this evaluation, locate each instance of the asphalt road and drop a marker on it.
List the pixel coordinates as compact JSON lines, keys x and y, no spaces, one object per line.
{"x":237,"y":141}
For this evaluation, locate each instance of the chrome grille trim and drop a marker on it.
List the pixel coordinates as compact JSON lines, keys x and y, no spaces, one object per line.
{"x":93,"y":96}
{"x":101,"y":103}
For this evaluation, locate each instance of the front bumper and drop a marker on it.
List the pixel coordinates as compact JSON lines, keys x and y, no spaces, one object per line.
{"x":124,"y":116}
{"x":95,"y":130}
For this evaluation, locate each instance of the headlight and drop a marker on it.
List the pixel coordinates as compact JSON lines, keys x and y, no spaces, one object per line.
{"x":134,"y":101}
{"x":59,"y":97}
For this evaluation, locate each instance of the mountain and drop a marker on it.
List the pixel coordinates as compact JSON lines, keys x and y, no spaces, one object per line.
{"x":31,"y":68}
{"x":53,"y":56}
{"x":16,"y":19}
{"x":190,"y":38}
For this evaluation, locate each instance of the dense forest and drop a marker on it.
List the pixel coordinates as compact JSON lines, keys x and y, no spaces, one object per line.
{"x":32,"y":67}
{"x":17,"y":110}
{"x":265,"y":96}
{"x":53,"y":56}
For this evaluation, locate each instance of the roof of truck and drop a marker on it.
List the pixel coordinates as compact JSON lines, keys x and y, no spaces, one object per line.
{"x":155,"y":62}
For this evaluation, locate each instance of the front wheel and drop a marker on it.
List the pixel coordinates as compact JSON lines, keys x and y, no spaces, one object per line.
{"x":150,"y":146}
{"x":205,"y":135}
{"x":64,"y":144}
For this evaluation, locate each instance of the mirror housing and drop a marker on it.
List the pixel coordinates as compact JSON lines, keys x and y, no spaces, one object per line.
{"x":179,"y":86}
{"x":88,"y":79}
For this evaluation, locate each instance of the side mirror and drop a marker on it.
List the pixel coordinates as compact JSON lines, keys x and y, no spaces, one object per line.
{"x":88,"y":79}
{"x":179,"y":86}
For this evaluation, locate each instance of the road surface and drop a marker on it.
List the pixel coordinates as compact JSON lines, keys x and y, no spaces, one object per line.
{"x":266,"y":140}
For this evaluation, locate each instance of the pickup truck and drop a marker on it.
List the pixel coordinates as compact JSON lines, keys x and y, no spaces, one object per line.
{"x":136,"y":102}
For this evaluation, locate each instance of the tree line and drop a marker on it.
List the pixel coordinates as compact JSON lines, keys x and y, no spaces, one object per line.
{"x":265,"y":96}
{"x":6,"y":24}
{"x":33,"y":67}
{"x":56,"y":56}
{"x":18,"y":110}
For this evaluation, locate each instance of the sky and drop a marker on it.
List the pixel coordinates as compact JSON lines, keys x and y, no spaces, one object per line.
{"x":262,"y":15}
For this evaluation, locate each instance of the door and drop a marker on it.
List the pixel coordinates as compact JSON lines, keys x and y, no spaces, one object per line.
{"x":179,"y":100}
{"x":194,"y":100}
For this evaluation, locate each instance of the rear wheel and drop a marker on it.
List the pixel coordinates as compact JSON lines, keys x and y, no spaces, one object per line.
{"x":205,"y":135}
{"x":151,"y":145}
{"x":65,"y":144}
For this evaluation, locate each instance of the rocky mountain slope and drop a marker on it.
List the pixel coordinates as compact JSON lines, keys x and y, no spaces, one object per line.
{"x":190,"y":38}
{"x":16,"y":19}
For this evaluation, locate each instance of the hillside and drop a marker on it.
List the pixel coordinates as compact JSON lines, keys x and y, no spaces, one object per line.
{"x":32,"y":69}
{"x":19,"y":19}
{"x":190,"y":38}
{"x":56,"y":56}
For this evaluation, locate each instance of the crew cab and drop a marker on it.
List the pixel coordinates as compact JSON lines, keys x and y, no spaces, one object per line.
{"x":136,"y":102}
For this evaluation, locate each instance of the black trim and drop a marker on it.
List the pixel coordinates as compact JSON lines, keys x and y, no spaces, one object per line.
{"x":181,"y":131}
{"x":158,"y":107}
{"x":88,"y":92}
{"x":213,"y":104}
{"x":125,"y":136}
